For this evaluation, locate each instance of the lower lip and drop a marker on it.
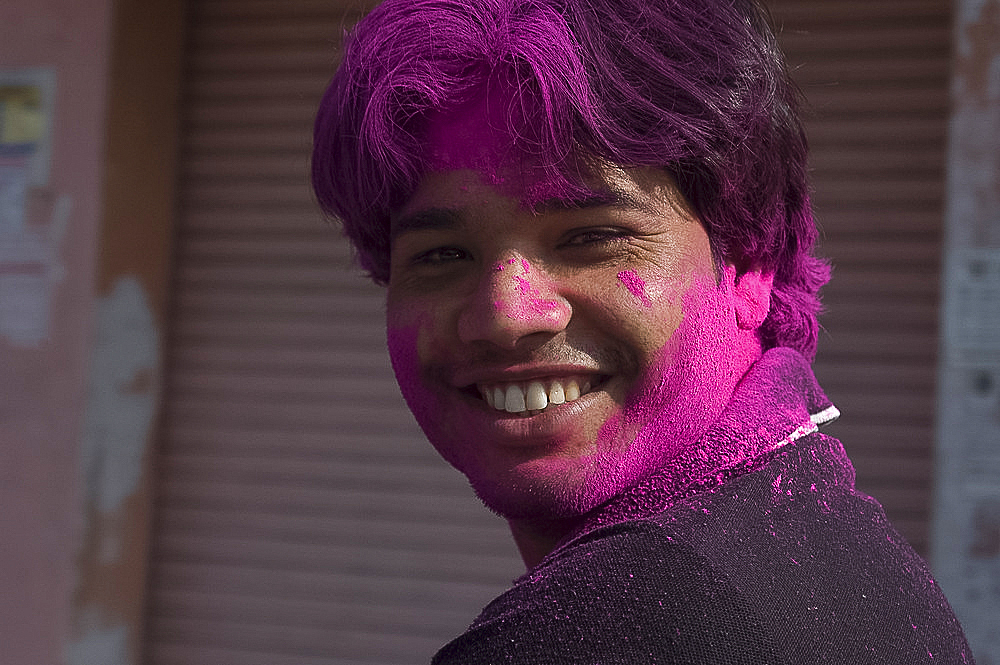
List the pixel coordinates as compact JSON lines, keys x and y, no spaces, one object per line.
{"x":543,"y":428}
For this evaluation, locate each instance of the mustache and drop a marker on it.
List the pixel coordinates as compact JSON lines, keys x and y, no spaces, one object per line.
{"x":549,"y":352}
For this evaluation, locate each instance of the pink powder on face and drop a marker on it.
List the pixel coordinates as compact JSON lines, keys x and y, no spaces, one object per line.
{"x":683,"y":392}
{"x":402,"y":342}
{"x":527,"y":309}
{"x":528,"y":304}
{"x":635,"y":285}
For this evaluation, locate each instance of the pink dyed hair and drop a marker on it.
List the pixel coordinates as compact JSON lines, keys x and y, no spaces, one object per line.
{"x":696,"y":87}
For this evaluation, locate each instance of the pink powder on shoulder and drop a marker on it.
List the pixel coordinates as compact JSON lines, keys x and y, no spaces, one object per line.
{"x":635,"y":285}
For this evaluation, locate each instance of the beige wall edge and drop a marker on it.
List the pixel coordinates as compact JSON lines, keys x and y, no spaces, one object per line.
{"x":125,"y":381}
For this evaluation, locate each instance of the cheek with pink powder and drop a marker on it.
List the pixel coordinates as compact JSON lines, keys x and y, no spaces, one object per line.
{"x":636,"y":286}
{"x":680,"y":395}
{"x":402,"y":345}
{"x":409,"y":340}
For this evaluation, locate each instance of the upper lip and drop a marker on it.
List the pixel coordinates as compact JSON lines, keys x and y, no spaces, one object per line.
{"x":464,"y":378}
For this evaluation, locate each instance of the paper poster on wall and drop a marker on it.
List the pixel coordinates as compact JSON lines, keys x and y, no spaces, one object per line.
{"x":32,"y":218}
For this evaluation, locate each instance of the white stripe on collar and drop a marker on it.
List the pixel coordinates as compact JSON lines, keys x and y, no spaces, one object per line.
{"x":827,"y":415}
{"x":797,"y":433}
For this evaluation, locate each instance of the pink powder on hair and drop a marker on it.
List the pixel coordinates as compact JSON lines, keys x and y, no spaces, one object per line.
{"x":635,"y":285}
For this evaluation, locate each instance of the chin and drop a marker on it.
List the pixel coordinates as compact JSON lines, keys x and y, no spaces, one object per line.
{"x":549,"y":494}
{"x":535,"y":505}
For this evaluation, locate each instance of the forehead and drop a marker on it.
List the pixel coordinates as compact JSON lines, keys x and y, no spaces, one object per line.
{"x":493,"y":141}
{"x":499,"y":133}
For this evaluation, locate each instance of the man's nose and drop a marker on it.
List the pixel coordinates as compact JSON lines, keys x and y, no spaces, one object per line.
{"x":513,"y":300}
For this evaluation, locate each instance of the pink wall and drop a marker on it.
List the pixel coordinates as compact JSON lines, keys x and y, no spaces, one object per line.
{"x":43,"y":381}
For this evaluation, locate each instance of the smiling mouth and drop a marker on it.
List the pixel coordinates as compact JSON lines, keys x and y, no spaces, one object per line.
{"x":529,"y":398}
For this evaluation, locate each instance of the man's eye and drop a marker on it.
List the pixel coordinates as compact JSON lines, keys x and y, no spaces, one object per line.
{"x":593,"y":236}
{"x":440,"y":255}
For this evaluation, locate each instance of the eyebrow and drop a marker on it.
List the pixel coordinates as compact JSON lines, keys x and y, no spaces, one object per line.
{"x":588,"y":200}
{"x":434,"y":219}
{"x":615,"y":197}
{"x":429,"y":219}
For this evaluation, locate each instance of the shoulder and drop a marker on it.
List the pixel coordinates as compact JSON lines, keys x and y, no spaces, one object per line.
{"x":786,"y":563}
{"x":625,"y":593}
{"x":840,"y":584}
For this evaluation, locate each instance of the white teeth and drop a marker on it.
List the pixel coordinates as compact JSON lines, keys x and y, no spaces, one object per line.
{"x":572,"y":390}
{"x":536,"y":398}
{"x":499,"y":398}
{"x":514,"y":399}
{"x":533,"y":398}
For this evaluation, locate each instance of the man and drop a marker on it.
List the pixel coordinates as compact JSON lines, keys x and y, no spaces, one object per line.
{"x":593,"y":220}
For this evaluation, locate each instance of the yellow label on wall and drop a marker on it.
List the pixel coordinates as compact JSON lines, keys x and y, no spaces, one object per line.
{"x":22,"y":115}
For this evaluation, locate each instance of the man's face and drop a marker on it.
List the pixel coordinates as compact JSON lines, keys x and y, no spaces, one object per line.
{"x":556,"y":352}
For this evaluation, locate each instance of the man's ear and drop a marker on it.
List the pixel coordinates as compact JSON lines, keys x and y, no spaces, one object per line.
{"x":752,"y":291}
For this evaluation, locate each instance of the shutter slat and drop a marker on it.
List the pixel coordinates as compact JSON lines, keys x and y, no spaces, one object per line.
{"x":875,"y":75}
{"x":302,"y":517}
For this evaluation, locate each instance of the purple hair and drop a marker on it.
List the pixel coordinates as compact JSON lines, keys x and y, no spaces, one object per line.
{"x":696,"y":87}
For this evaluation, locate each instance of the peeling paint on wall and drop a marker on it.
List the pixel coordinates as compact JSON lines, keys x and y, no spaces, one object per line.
{"x":121,"y":411}
{"x":33,"y":218}
{"x":100,"y":647}
{"x":31,"y":267}
{"x":123,"y":395}
{"x":977,"y":22}
{"x":966,"y":531}
{"x":974,"y":154}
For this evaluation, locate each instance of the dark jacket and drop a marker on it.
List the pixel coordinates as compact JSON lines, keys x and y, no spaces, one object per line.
{"x":754,"y":548}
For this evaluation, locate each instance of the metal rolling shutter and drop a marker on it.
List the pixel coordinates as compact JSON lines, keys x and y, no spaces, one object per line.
{"x":301,"y":518}
{"x":876,"y":75}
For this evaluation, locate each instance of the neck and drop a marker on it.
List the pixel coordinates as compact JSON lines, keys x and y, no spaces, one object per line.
{"x":535,"y":538}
